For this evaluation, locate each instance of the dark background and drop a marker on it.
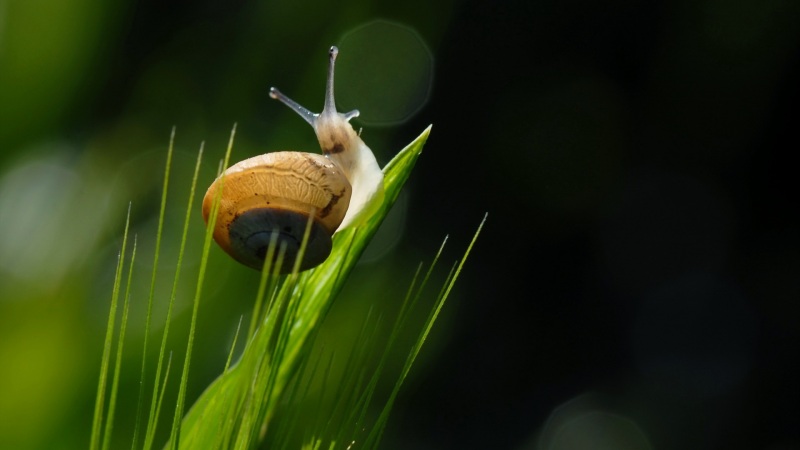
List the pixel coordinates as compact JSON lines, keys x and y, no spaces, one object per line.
{"x":636,"y":283}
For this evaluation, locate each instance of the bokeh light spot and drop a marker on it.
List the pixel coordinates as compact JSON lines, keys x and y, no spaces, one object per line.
{"x":385,"y":71}
{"x":583,"y":424}
{"x":49,"y":220}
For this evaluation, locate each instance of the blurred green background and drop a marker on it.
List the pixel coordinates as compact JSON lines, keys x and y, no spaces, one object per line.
{"x":636,"y":285}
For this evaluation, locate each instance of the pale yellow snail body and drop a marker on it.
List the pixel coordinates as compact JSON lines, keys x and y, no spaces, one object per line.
{"x":270,"y":197}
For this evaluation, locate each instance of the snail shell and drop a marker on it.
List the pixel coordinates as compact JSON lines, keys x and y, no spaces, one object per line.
{"x":269,"y":199}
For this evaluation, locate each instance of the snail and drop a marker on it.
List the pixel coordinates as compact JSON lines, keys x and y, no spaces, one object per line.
{"x":271,"y":197}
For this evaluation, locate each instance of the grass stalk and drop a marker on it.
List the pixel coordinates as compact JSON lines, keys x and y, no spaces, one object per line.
{"x":97,"y":422}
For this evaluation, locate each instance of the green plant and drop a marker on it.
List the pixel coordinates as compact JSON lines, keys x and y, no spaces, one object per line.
{"x":251,"y":401}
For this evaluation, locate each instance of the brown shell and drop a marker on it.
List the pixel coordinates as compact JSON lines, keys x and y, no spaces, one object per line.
{"x":303,"y":183}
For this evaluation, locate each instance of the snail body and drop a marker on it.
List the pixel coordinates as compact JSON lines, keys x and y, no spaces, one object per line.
{"x":272,"y":197}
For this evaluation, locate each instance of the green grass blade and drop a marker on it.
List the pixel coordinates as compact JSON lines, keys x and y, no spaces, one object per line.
{"x":97,"y":421}
{"x":377,"y":432}
{"x":112,"y":403}
{"x":152,"y":423}
{"x":164,"y":387}
{"x":177,"y":421}
{"x":359,"y":410}
{"x":159,"y":233}
{"x":233,"y":345}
